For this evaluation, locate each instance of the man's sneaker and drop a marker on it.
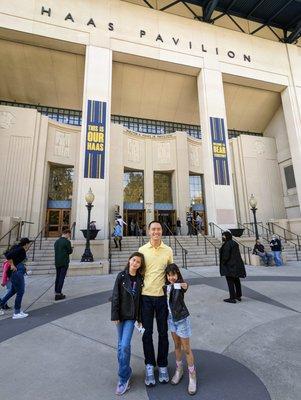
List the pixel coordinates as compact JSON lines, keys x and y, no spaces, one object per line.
{"x":177,"y":376}
{"x":149,"y":375}
{"x":163,"y":375}
{"x":122,"y":387}
{"x":6,"y":307}
{"x":20,"y":315}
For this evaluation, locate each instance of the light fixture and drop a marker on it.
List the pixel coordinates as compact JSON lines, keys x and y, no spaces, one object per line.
{"x":253,"y":201}
{"x":89,"y":197}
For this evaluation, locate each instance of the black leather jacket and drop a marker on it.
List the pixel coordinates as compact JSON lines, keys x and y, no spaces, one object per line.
{"x":177,"y":305}
{"x":124,"y":304}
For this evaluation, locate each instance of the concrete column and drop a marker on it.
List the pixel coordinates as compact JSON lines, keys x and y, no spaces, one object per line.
{"x":94,"y":170}
{"x":148,"y":183}
{"x":219,"y":192}
{"x":291,"y":102}
{"x":182,"y":200}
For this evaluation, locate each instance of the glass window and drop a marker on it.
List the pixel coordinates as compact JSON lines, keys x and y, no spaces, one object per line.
{"x":162,"y":187}
{"x":196,"y":189}
{"x":133,"y":186}
{"x":60,"y":183}
{"x":290,"y":177}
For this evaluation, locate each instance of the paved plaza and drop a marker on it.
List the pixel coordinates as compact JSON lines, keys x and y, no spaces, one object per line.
{"x":67,"y":350}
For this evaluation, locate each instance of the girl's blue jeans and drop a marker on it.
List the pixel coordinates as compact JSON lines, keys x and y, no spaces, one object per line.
{"x":125,"y":333}
{"x":18,"y":287}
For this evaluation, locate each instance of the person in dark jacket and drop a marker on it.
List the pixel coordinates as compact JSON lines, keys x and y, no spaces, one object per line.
{"x":179,"y":325}
{"x":276,"y":247}
{"x":62,"y":251}
{"x":231,"y":266}
{"x":16,"y":257}
{"x":126,"y":309}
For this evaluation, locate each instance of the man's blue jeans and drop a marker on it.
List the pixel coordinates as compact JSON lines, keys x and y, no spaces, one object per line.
{"x":125,"y":333}
{"x":18,"y":287}
{"x":277,"y":258}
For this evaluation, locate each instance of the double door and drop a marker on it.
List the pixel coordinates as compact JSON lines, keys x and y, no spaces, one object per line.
{"x":132,"y":218}
{"x":167,"y":219}
{"x":57,"y":220}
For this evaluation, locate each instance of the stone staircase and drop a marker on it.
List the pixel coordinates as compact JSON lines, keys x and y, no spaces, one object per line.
{"x":43,"y":263}
{"x":196,"y":256}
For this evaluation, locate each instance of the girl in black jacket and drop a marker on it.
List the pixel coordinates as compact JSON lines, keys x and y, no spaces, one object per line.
{"x":126,"y":309}
{"x":179,"y":324}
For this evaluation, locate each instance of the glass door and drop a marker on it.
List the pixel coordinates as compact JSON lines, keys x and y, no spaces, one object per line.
{"x":57,"y":220}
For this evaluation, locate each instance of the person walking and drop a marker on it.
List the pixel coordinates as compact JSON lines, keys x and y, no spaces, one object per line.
{"x":117,"y":234}
{"x":62,"y":251}
{"x":260,"y":251}
{"x":16,"y":258}
{"x":231,"y":266}
{"x":276,"y":247}
{"x":125,"y":310}
{"x":179,"y":325}
{"x":199,"y":223}
{"x":153,"y":303}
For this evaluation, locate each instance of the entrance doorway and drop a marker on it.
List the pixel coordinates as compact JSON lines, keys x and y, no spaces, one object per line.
{"x":57,"y":220}
{"x":166,"y":217}
{"x":131,"y":217}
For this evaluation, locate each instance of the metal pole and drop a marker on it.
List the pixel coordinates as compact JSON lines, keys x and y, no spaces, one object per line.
{"x":88,"y":256}
{"x":255,"y":222}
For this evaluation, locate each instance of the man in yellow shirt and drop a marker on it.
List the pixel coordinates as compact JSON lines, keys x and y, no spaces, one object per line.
{"x":157,"y":256}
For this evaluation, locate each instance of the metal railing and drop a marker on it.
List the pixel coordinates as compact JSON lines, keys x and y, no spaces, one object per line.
{"x":18,"y":226}
{"x":247,"y":251}
{"x":110,"y":248}
{"x":176,"y":242}
{"x":271,"y":226}
{"x":72,"y":228}
{"x":39,"y":238}
{"x":206,"y":241}
{"x":139,"y":234}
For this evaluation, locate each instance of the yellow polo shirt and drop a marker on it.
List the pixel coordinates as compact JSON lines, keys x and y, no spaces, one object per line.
{"x":156,"y":260}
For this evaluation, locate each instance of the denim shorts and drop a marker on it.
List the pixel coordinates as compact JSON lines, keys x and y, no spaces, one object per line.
{"x":180,"y":328}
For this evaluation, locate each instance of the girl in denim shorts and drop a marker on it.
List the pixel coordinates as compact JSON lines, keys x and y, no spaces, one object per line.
{"x":179,"y":325}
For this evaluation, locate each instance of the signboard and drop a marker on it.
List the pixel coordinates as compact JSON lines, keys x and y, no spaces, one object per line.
{"x":220,"y":159}
{"x":95,"y":140}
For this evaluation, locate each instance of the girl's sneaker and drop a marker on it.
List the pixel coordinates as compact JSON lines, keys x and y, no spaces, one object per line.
{"x":122,"y":388}
{"x":1,"y":311}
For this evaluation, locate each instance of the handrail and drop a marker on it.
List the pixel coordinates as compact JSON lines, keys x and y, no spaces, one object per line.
{"x":284,"y":230}
{"x":19,"y":224}
{"x":184,"y":251}
{"x":72,"y":228}
{"x":252,"y":230}
{"x":206,"y":239}
{"x":245,"y":248}
{"x":39,"y":235}
{"x":110,"y":248}
{"x":139,"y":233}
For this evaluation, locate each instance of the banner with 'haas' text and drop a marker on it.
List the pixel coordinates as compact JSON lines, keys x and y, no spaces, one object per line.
{"x":95,"y":140}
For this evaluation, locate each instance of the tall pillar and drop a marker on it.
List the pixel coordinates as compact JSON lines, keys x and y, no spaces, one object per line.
{"x":95,"y":140}
{"x":219,"y":191}
{"x":291,"y":102}
{"x":148,"y":183}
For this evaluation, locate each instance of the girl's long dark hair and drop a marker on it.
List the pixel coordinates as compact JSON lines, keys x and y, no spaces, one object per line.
{"x":173,"y":269}
{"x":141,"y":270}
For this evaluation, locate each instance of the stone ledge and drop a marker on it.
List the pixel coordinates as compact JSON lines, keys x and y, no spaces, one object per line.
{"x":99,"y":267}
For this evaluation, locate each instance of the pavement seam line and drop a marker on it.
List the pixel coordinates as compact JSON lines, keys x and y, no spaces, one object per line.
{"x":90,"y":338}
{"x":251,"y":329}
{"x":38,"y":298}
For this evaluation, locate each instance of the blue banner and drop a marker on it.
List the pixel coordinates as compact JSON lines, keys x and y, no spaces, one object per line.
{"x":220,"y":159}
{"x":95,"y":140}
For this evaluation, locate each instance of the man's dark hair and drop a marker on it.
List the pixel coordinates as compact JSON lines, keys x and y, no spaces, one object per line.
{"x":155,"y":222}
{"x":65,"y":231}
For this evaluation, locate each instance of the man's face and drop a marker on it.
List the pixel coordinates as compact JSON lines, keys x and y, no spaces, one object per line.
{"x":155,"y":231}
